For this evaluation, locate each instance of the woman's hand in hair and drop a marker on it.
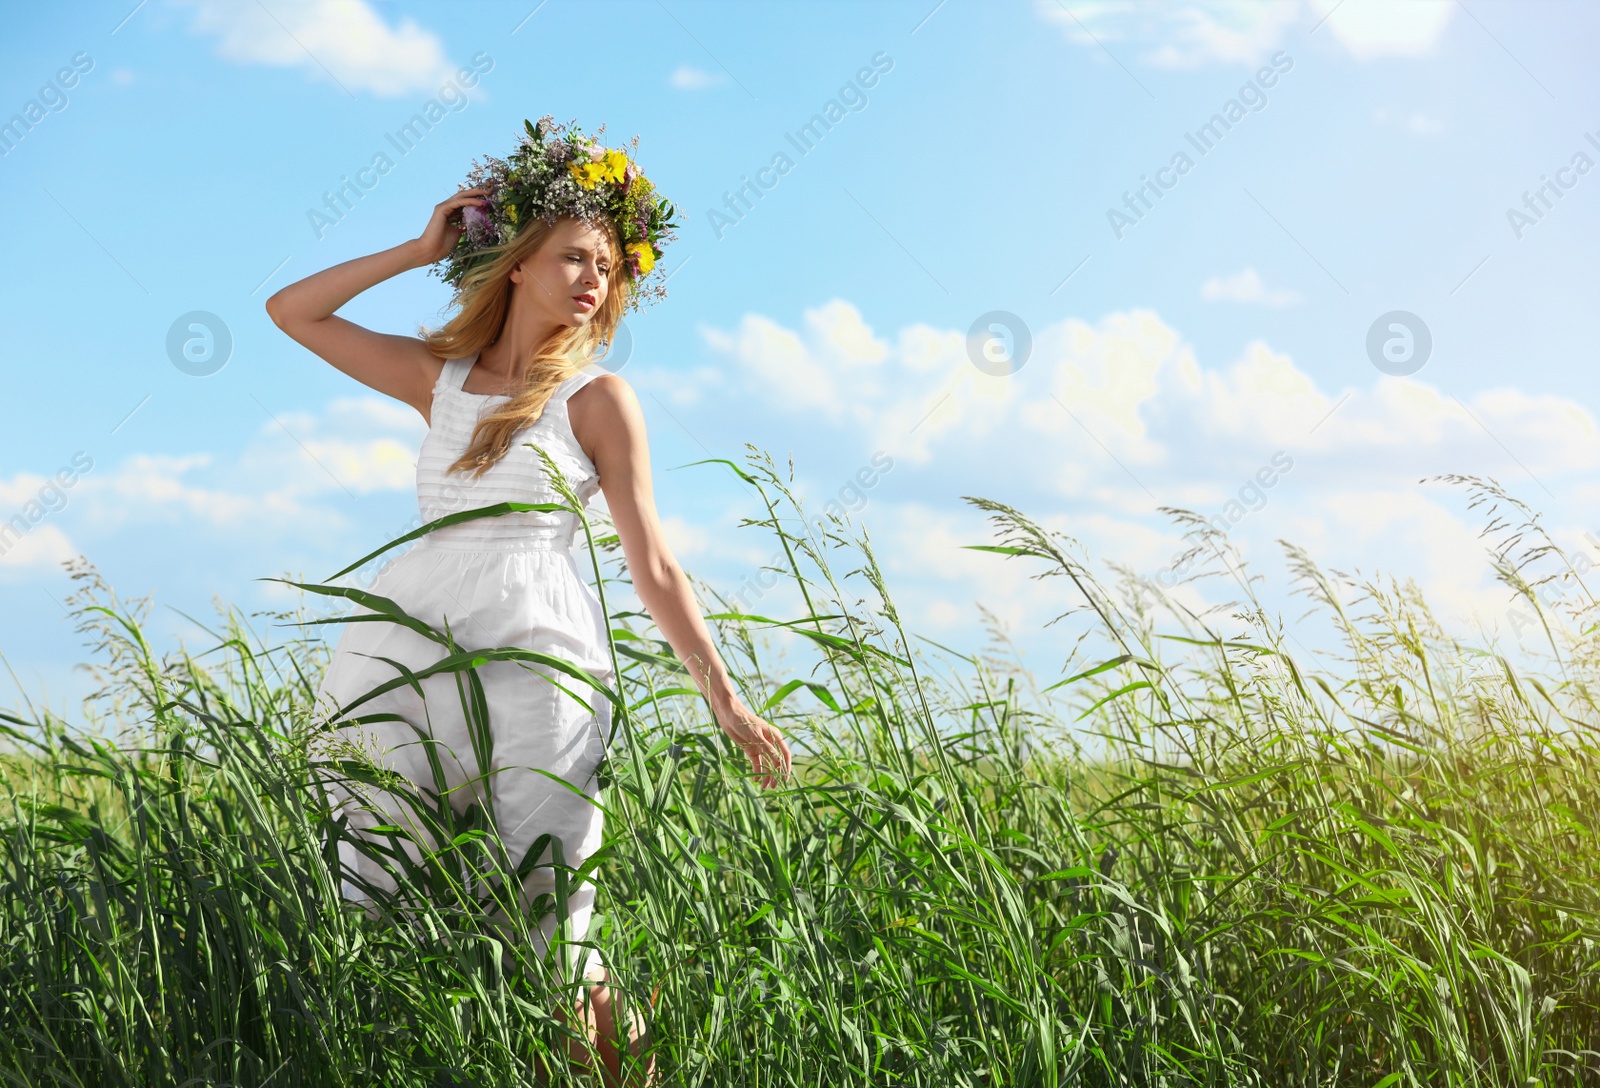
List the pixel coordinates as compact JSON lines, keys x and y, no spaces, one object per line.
{"x":402,"y":367}
{"x":443,"y":231}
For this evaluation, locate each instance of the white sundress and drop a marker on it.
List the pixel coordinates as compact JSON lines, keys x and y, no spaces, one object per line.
{"x":506,"y":580}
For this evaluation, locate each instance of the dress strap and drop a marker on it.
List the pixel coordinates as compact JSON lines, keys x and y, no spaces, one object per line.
{"x":453,"y":375}
{"x":462,"y":365}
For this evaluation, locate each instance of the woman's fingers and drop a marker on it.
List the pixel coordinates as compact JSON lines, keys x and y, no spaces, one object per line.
{"x":782,"y":761}
{"x":770,"y":758}
{"x":460,"y":200}
{"x":764,"y":744}
{"x":444,"y":227}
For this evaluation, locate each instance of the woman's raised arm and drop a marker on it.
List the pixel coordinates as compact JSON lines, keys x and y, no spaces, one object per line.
{"x":399,"y":366}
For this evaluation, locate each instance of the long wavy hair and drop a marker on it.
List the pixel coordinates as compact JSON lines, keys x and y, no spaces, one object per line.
{"x":484,"y":296}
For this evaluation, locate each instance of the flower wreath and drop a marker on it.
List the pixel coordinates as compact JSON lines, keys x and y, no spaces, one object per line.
{"x":557,"y":171}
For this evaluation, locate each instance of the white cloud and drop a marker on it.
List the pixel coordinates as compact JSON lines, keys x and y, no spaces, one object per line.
{"x":1246,"y":286}
{"x":777,"y":359}
{"x":163,"y":488}
{"x":1127,"y":386}
{"x":369,"y":411}
{"x":1246,"y":32}
{"x":30,"y":488}
{"x":677,"y":388}
{"x":689,"y":78}
{"x":273,"y":489}
{"x":360,"y":444}
{"x":922,"y":551}
{"x":381,"y":464}
{"x":686,"y":539}
{"x":42,"y":545}
{"x":32,"y":508}
{"x":1109,"y":419}
{"x":1413,"y":121}
{"x":1184,"y":35}
{"x":838,"y":330}
{"x":346,"y":38}
{"x":1104,"y":376}
{"x":1370,"y":29}
{"x":828,"y":369}
{"x":1441,"y":551}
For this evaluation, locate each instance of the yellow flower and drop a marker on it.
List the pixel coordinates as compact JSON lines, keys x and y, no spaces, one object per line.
{"x":647,"y":258}
{"x":615,"y":163}
{"x":511,"y":214}
{"x":587,"y":173}
{"x":608,"y":167}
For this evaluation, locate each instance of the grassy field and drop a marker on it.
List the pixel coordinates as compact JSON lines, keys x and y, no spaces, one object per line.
{"x":1191,"y":858}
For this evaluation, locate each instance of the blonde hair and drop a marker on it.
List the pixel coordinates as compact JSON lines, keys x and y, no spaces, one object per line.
{"x":484,"y":296}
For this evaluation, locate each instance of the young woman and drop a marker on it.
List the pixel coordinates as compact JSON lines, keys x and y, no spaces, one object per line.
{"x":545,"y":269}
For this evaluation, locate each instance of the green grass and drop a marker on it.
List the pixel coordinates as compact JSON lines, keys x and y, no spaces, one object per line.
{"x":1198,"y":858}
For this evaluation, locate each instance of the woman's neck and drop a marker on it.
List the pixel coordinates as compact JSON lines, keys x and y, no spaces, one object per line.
{"x":505,"y":356}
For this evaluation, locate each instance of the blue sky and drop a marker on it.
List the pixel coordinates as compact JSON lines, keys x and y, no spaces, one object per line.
{"x":1197,"y":297}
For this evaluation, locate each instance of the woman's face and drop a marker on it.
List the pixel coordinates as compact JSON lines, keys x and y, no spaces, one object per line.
{"x":566,"y":280}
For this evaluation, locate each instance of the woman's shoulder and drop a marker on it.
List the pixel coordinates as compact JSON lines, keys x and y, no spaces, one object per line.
{"x":601,"y":408}
{"x":606,"y":384}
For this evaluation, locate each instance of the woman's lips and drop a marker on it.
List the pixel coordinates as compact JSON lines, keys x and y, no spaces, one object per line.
{"x":586,"y":301}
